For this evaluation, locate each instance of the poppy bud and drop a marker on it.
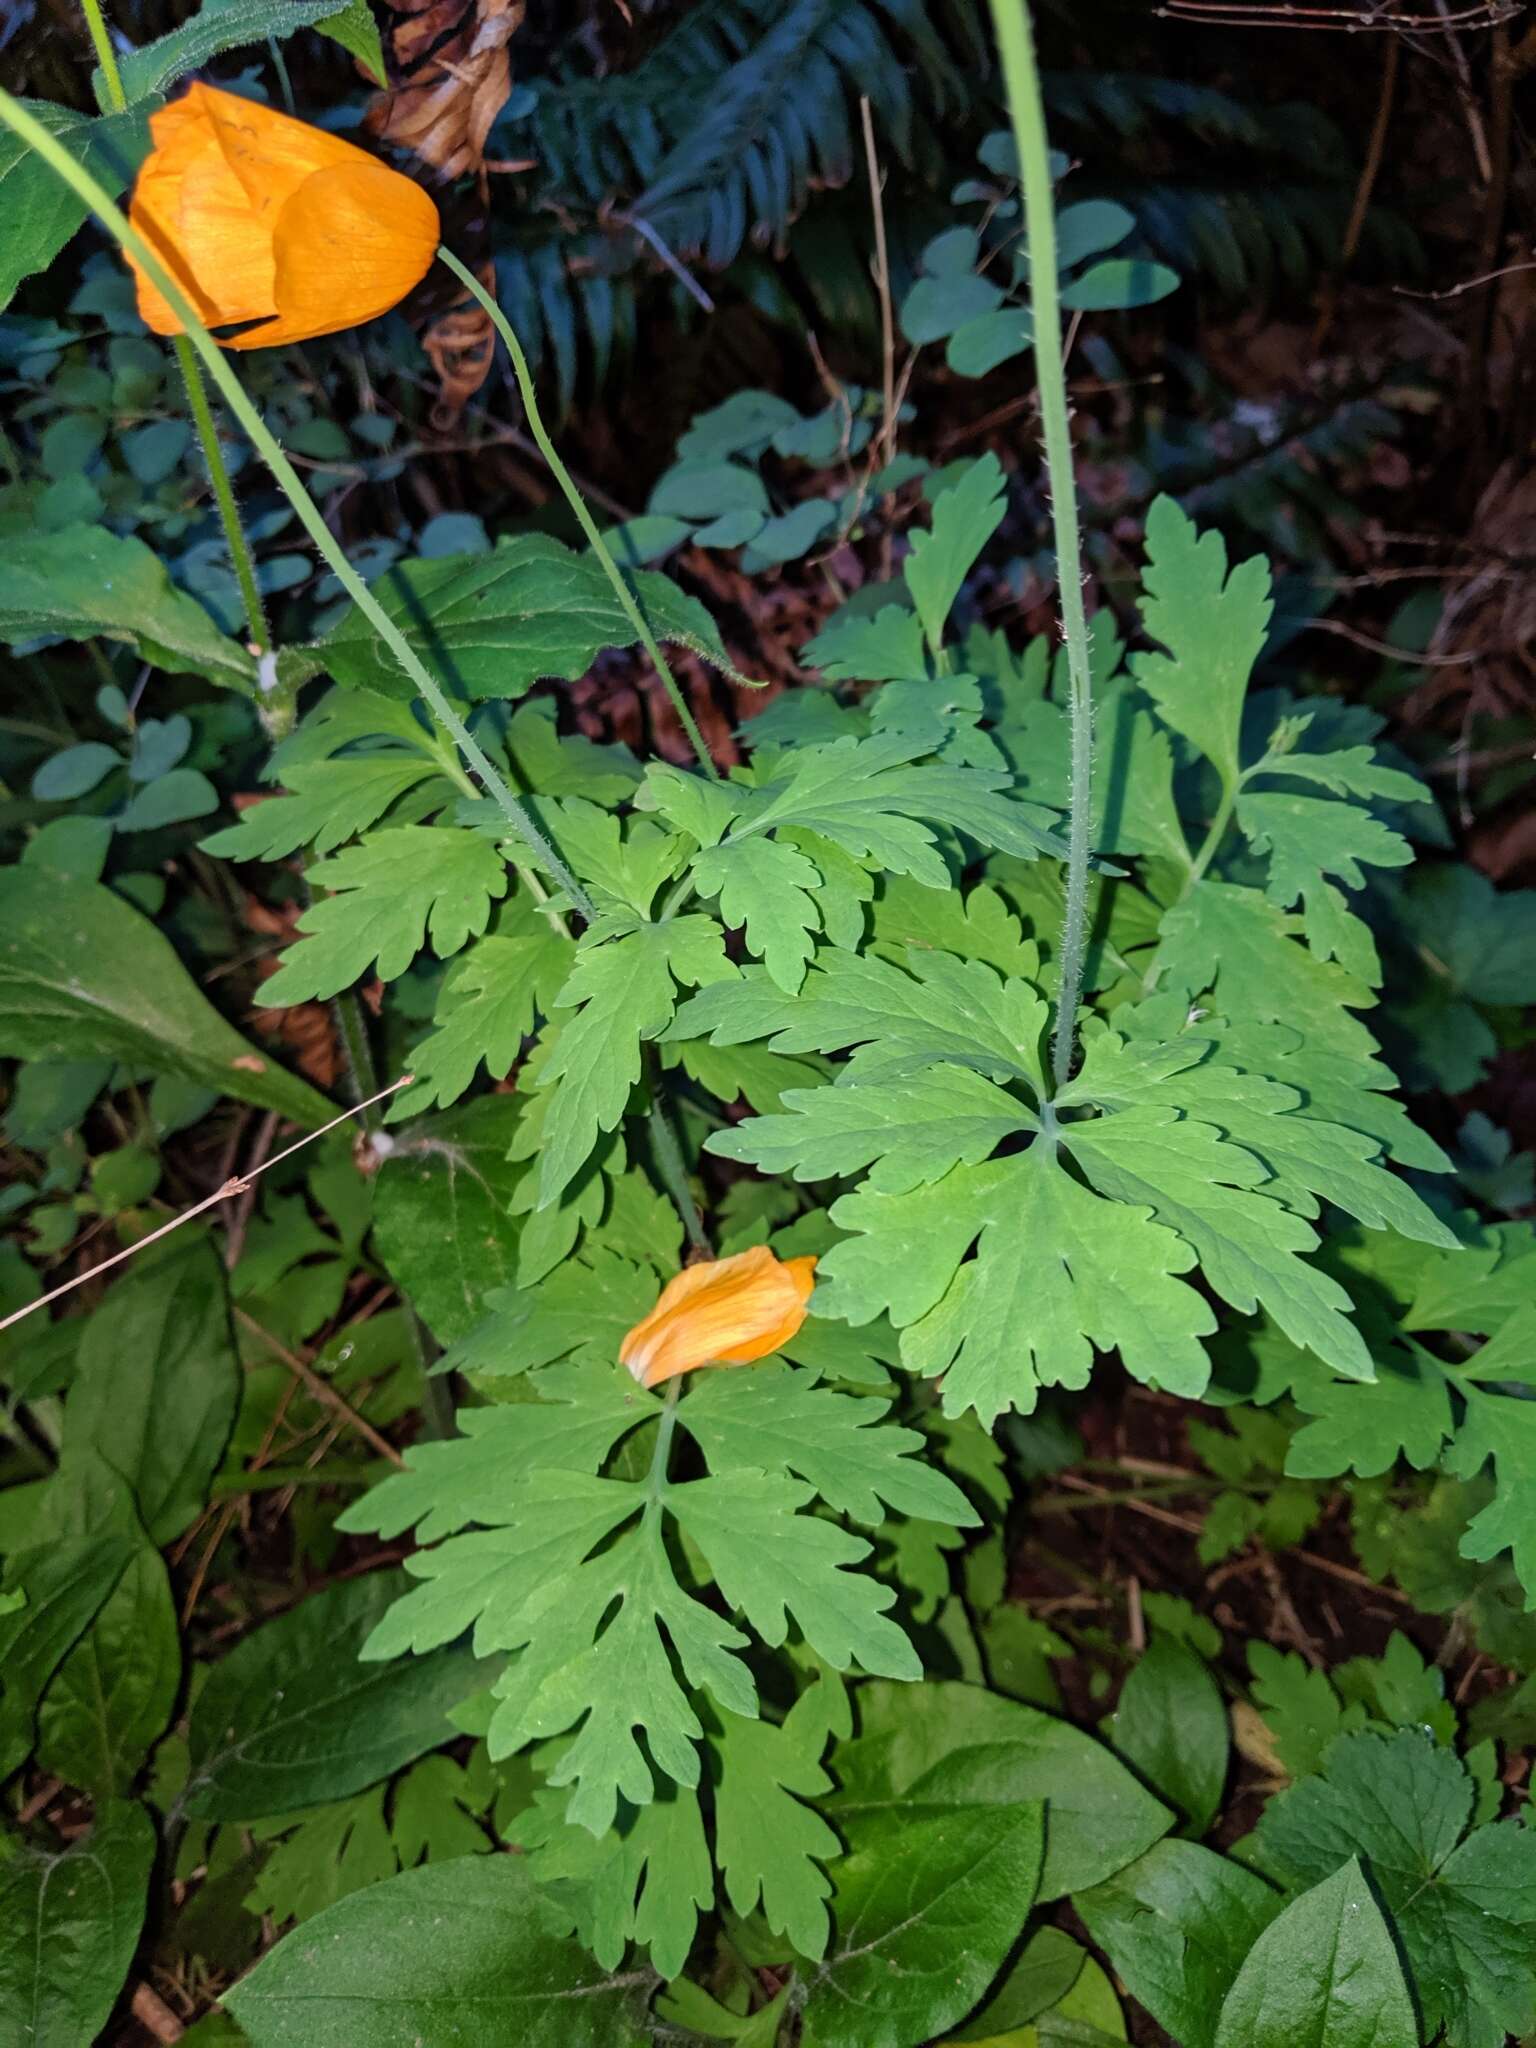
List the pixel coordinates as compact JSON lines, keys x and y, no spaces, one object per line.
{"x":724,"y":1312}
{"x":260,"y":217}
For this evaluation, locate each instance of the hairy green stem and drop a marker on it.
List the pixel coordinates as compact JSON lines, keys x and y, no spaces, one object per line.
{"x":223,"y":494}
{"x":438,"y":1410}
{"x":192,"y":378}
{"x":106,"y":56}
{"x":361,"y":1070}
{"x":577,"y":503}
{"x":670,"y":1165}
{"x":1016,"y":46}
{"x":21,"y":123}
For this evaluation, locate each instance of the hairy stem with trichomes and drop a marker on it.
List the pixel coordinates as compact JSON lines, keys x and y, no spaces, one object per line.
{"x":192,"y":377}
{"x":1016,"y":46}
{"x":577,"y":503}
{"x":522,"y":827}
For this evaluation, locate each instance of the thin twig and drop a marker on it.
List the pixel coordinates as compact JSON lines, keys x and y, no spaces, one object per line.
{"x":1135,"y":1620}
{"x":234,"y":1186}
{"x":1474,"y":408}
{"x":1414,"y":656}
{"x":322,"y":1389}
{"x":225,"y":1516}
{"x":1471,"y":112}
{"x":245,"y":1201}
{"x":1369,"y":173}
{"x":1343,"y":20}
{"x":1469,"y":284}
{"x":882,"y":286}
{"x":153,"y":2014}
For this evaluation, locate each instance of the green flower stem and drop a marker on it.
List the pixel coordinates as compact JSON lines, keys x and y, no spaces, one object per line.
{"x":192,"y":378}
{"x":361,"y":1070}
{"x":80,"y":181}
{"x":438,"y":1412}
{"x":661,"y":1458}
{"x":668,"y":1154}
{"x":448,"y":761}
{"x":1015,"y":41}
{"x":106,"y":56}
{"x":577,"y":503}
{"x":223,"y":494}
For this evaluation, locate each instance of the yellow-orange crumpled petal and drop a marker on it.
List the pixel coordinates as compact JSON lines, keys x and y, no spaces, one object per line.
{"x":724,"y":1312}
{"x":261,"y":217}
{"x":356,"y":234}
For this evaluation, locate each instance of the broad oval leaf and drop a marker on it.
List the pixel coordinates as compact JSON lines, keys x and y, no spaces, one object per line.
{"x":1177,"y":1925}
{"x":494,"y":625}
{"x":84,"y":582}
{"x":157,"y":1384}
{"x":462,"y":1954}
{"x":68,"y":1928}
{"x":64,"y":1586}
{"x":926,"y":1906}
{"x":996,"y":1750}
{"x":1171,"y":1727}
{"x":1119,"y":284}
{"x":218,"y":25}
{"x":113,"y":1696}
{"x":1325,"y":1975}
{"x":41,"y":212}
{"x":83,"y":975}
{"x":441,"y":1215}
{"x":291,"y":1718}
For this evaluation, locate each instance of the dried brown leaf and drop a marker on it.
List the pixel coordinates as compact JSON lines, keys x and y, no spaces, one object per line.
{"x":453,"y":73}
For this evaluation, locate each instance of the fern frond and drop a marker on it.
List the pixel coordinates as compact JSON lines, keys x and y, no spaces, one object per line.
{"x":741,"y":110}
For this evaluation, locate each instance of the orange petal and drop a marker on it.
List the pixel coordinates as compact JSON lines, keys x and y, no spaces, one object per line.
{"x":350,"y":243}
{"x":261,"y":217}
{"x":270,"y":154}
{"x":224,"y":245}
{"x":724,"y":1312}
{"x":181,"y":137}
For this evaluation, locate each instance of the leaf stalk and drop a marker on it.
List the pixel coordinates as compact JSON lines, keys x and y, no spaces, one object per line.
{"x":578,"y":505}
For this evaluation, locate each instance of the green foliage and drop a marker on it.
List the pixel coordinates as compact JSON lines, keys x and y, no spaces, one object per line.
{"x":42,"y":214}
{"x":1251,"y":196}
{"x":71,"y":1925}
{"x":392,"y":892}
{"x":83,"y":581}
{"x":1171,"y":1727}
{"x":928,"y":1902}
{"x":83,"y":974}
{"x":1459,"y":1899}
{"x":736,"y":1670}
{"x":423,"y":1952}
{"x":221,"y":25}
{"x":1178,"y":1925}
{"x":497,"y":623}
{"x":164,"y":1327}
{"x":290,"y":1718}
{"x":771,"y":1561}
{"x":956,"y":297}
{"x":712,"y":140}
{"x":1357,"y":1999}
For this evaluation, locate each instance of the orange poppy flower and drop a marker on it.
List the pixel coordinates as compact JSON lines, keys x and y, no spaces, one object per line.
{"x":259,"y":217}
{"x":724,"y":1312}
